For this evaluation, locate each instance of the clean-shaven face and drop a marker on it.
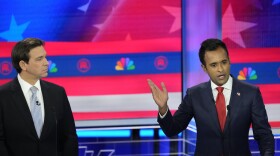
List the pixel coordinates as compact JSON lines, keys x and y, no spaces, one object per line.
{"x":217,"y":66}
{"x":37,"y":67}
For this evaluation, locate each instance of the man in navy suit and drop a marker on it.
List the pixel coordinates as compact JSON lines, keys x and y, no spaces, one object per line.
{"x":56,"y":135}
{"x":243,"y":101}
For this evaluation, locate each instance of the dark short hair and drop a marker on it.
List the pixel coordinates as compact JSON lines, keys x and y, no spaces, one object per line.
{"x":210,"y":45}
{"x":21,"y":51}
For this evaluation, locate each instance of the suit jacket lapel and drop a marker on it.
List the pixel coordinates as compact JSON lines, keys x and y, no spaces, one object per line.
{"x":235,"y":99}
{"x":49,"y":119}
{"x":22,"y":105}
{"x":212,"y":106}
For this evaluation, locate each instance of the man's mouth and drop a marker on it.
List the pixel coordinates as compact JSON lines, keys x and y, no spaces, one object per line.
{"x":221,"y":76}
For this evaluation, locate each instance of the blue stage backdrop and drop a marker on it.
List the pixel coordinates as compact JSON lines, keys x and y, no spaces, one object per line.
{"x":102,"y":52}
{"x":251,"y":31}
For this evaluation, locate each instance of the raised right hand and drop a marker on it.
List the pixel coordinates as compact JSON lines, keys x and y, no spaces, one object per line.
{"x":160,"y":96}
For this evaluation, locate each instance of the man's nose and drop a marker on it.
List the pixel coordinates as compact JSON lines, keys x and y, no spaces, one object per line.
{"x":46,"y":61}
{"x":220,"y":67}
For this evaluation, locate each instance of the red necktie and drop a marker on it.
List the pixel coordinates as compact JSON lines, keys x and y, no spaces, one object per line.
{"x":221,"y":107}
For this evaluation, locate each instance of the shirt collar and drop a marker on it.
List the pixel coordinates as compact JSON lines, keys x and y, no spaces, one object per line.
{"x":227,"y":85}
{"x":25,"y":86}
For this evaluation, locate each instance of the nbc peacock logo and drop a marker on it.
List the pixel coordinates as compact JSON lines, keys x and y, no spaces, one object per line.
{"x":247,"y":73}
{"x":125,"y":64}
{"x":52,"y":67}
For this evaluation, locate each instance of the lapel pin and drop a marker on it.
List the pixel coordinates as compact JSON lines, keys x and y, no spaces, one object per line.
{"x":238,"y":94}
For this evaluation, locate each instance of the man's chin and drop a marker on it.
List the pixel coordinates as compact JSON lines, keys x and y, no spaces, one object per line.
{"x":220,"y":82}
{"x":44,"y":75}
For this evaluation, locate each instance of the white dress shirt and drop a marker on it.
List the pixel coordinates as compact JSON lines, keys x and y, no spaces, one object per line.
{"x":227,"y":92}
{"x":25,"y":86}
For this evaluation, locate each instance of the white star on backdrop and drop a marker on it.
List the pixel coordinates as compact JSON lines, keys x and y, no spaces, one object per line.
{"x":15,"y":31}
{"x":176,"y":12}
{"x":233,"y":28}
{"x":84,"y":8}
{"x":98,"y":26}
{"x":128,"y":37}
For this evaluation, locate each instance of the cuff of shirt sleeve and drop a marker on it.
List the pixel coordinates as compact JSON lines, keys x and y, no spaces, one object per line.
{"x":162,"y":116}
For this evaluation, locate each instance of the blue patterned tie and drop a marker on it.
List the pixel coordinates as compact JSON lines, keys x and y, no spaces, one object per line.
{"x":36,"y":111}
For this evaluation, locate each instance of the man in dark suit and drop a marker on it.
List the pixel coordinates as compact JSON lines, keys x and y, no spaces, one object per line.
{"x":220,"y":131}
{"x":51,"y":130}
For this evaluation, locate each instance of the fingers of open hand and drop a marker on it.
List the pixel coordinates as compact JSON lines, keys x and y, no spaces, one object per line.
{"x":160,"y":96}
{"x":163,"y":87}
{"x":153,"y":87}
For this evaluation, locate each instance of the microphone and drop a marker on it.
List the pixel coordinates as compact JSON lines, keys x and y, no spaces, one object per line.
{"x":228,"y":108}
{"x":38,"y":103}
{"x":229,"y":129}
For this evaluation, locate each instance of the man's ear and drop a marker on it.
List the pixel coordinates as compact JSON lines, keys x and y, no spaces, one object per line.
{"x":204,"y":68}
{"x":22,"y":65}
